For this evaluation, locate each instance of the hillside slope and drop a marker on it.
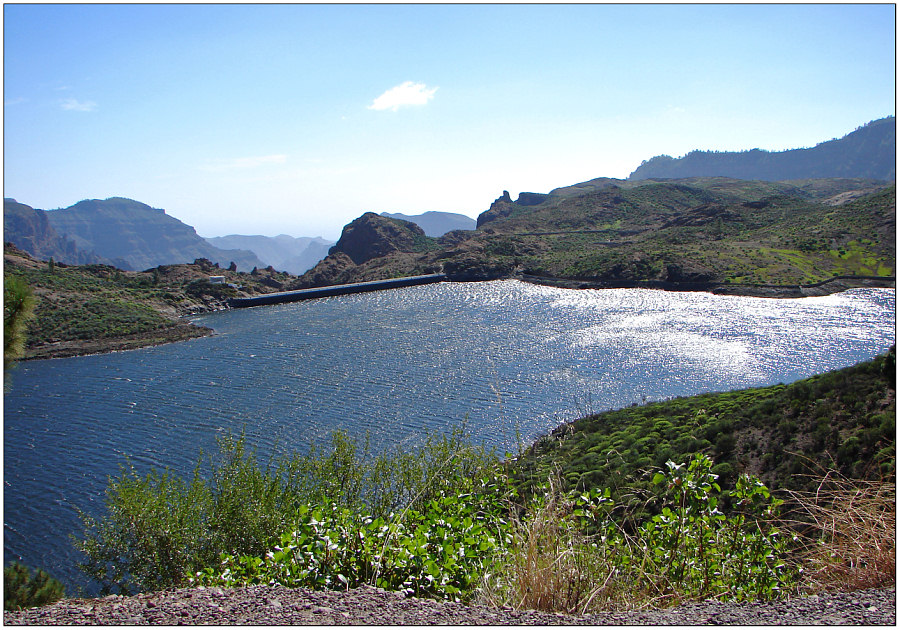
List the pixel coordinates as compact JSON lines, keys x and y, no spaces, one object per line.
{"x":842,"y":420}
{"x":95,"y":308}
{"x":697,"y":232}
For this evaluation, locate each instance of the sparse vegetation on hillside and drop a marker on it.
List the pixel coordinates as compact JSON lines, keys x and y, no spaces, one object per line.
{"x":699,"y":230}
{"x":842,"y":420}
{"x":95,"y":307}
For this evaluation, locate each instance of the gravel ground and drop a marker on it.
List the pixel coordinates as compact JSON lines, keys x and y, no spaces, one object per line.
{"x":265,"y":605}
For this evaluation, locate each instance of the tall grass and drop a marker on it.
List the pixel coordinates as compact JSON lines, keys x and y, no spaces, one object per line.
{"x":847,"y":534}
{"x":550,"y":564}
{"x":580,"y":553}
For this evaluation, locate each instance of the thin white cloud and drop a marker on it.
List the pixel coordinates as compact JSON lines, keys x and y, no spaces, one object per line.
{"x":215,"y":166}
{"x":15,"y":101}
{"x":74,"y":105}
{"x":405,"y":94}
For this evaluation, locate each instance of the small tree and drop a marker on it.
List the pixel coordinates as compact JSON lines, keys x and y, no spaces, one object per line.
{"x":22,"y":590}
{"x":18,"y":308}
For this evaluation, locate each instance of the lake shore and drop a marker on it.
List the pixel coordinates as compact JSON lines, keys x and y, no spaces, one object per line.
{"x":183,"y":330}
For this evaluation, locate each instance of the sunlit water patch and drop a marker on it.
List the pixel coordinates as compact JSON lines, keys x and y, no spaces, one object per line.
{"x":510,"y":359}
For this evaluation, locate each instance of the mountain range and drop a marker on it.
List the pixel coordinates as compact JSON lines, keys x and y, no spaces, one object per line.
{"x":868,"y":152}
{"x":133,"y":236}
{"x":122,"y":232}
{"x":286,"y":253}
{"x":643,"y":228}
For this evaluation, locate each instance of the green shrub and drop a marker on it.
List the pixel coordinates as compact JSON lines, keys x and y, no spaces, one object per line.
{"x":554,"y":552}
{"x":693,"y":550}
{"x":22,"y":590}
{"x":441,"y":552}
{"x":159,"y":528}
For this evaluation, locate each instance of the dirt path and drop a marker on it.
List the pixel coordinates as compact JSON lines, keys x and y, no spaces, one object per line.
{"x":266,"y":605}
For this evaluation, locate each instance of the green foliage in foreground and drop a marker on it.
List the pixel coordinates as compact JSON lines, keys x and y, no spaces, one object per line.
{"x":23,"y":590}
{"x":461,"y":546}
{"x":442,"y":551}
{"x":159,"y":528}
{"x":439,"y":521}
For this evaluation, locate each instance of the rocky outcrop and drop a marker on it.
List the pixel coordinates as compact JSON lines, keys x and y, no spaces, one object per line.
{"x":502,"y":207}
{"x":688,"y":273}
{"x":335,"y":268}
{"x":706,"y":213}
{"x":531,"y":199}
{"x":371,"y":236}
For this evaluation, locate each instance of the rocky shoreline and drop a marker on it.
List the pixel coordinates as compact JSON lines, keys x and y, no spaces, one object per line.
{"x":277,"y":605}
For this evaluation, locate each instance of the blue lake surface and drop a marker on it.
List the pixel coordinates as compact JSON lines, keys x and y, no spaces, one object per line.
{"x":512,"y":360}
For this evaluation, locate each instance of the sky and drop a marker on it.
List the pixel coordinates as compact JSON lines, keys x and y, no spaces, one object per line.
{"x":296,"y":119}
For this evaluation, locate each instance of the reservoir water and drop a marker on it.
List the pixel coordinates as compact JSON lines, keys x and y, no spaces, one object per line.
{"x":511,"y":359}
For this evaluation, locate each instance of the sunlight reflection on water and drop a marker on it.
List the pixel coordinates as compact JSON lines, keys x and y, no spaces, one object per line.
{"x":511,"y":359}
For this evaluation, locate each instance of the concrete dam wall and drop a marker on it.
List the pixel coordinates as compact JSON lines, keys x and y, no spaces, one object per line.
{"x":337,"y":289}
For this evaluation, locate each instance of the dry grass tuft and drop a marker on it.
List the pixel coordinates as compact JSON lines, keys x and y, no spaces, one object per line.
{"x":847,"y":529}
{"x":552,"y":565}
{"x":843,"y":539}
{"x":547,"y":561}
